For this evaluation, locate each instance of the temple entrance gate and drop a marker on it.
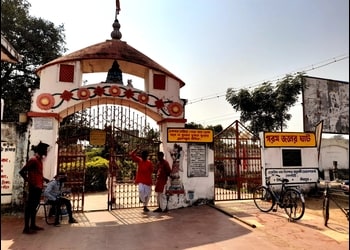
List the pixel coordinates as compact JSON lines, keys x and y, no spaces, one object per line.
{"x":237,"y":160}
{"x":67,"y":108}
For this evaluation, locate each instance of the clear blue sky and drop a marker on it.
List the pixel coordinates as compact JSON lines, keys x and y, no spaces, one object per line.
{"x":215,"y":45}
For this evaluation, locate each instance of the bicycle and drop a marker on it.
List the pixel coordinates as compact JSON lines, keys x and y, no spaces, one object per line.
{"x":289,"y":198}
{"x":327,"y":196}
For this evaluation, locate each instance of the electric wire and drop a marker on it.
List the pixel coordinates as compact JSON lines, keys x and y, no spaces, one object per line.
{"x":277,"y":78}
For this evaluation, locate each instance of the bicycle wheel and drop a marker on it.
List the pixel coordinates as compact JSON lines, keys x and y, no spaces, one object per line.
{"x":325,"y":210}
{"x":263,"y":199}
{"x":294,"y":204}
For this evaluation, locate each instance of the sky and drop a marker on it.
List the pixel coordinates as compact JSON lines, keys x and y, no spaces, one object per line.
{"x":216,"y":45}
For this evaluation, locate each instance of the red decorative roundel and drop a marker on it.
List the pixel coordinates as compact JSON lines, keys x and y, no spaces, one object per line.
{"x":143,"y":98}
{"x":45,"y":101}
{"x":83,"y":93}
{"x":175,"y":109}
{"x":114,"y":91}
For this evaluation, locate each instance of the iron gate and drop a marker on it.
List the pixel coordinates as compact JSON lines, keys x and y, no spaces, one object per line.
{"x":237,"y":160}
{"x":115,"y":130}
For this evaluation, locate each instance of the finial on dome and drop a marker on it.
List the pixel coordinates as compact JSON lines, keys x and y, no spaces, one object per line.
{"x":116,"y":34}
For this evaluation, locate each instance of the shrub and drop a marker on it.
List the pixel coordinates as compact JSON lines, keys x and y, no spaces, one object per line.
{"x":127,"y":169}
{"x":96,"y":174}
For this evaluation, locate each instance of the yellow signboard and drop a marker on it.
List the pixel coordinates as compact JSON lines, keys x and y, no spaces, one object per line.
{"x":190,"y":135}
{"x":97,"y":137}
{"x":280,"y":139}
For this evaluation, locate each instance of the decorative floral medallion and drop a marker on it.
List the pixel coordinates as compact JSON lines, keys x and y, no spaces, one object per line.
{"x":83,"y":93}
{"x":114,"y":91}
{"x":175,"y":109}
{"x":143,"y":98}
{"x":45,"y":101}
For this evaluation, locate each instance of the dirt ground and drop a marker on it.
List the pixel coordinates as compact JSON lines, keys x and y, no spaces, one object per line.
{"x":314,"y":205}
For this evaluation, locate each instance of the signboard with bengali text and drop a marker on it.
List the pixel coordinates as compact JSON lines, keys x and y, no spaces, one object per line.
{"x":97,"y":137}
{"x":294,"y":175}
{"x":190,"y":135}
{"x":8,"y":153}
{"x":289,"y":139}
{"x":197,"y":161}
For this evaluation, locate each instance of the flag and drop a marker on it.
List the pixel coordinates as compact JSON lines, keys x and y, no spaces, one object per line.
{"x":117,"y":6}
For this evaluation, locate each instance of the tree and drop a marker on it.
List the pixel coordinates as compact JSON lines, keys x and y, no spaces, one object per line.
{"x":266,"y":107}
{"x":216,"y":129}
{"x":193,"y":125}
{"x":38,"y":41}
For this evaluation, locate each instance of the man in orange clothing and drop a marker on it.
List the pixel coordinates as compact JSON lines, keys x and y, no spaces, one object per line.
{"x":163,"y":172}
{"x":143,"y":176}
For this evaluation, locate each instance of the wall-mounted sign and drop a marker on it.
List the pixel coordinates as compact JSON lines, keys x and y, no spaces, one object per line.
{"x":294,"y":175}
{"x":190,"y":135}
{"x":288,"y":139}
{"x":97,"y":137}
{"x":42,"y":123}
{"x":8,"y":153}
{"x":197,"y":161}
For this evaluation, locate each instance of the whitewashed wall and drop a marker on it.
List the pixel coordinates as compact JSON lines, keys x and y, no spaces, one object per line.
{"x":334,"y":150}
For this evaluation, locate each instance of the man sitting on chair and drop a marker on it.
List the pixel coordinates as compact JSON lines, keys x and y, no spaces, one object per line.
{"x":54,"y":195}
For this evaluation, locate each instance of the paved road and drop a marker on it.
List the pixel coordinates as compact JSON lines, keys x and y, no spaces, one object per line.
{"x":197,"y":227}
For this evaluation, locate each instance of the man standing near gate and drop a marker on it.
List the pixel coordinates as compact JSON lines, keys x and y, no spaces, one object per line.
{"x":143,"y":176}
{"x":163,"y":172}
{"x":32,"y":173}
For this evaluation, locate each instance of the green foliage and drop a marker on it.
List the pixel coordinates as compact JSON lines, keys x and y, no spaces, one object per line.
{"x":69,"y":166}
{"x":127,"y":169}
{"x":38,"y":41}
{"x":266,"y":107}
{"x":90,"y":154}
{"x":95,"y":178}
{"x":96,"y":174}
{"x":97,"y":161}
{"x":75,"y":127}
{"x":193,"y":125}
{"x":216,"y":129}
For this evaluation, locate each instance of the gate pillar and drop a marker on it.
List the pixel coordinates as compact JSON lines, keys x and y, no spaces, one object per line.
{"x":163,"y":127}
{"x":44,"y":127}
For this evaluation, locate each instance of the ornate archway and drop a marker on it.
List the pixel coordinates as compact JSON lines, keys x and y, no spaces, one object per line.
{"x":101,"y":106}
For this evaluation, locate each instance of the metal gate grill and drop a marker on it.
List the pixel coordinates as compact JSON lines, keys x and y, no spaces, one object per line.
{"x":237,"y":160}
{"x":122,"y":129}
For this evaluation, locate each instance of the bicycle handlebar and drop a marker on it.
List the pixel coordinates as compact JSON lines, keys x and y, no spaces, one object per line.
{"x":284,"y":180}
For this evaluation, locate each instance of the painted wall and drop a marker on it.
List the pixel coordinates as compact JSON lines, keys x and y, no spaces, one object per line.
{"x":194,"y":187}
{"x":10,"y":176}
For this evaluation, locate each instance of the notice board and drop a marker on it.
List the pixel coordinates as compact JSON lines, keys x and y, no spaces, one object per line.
{"x":197,"y":160}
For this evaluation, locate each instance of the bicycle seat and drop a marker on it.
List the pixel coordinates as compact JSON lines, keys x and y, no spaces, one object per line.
{"x":285,"y":180}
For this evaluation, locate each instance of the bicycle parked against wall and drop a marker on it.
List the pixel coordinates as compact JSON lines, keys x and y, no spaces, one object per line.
{"x":289,"y":198}
{"x":329,"y":194}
